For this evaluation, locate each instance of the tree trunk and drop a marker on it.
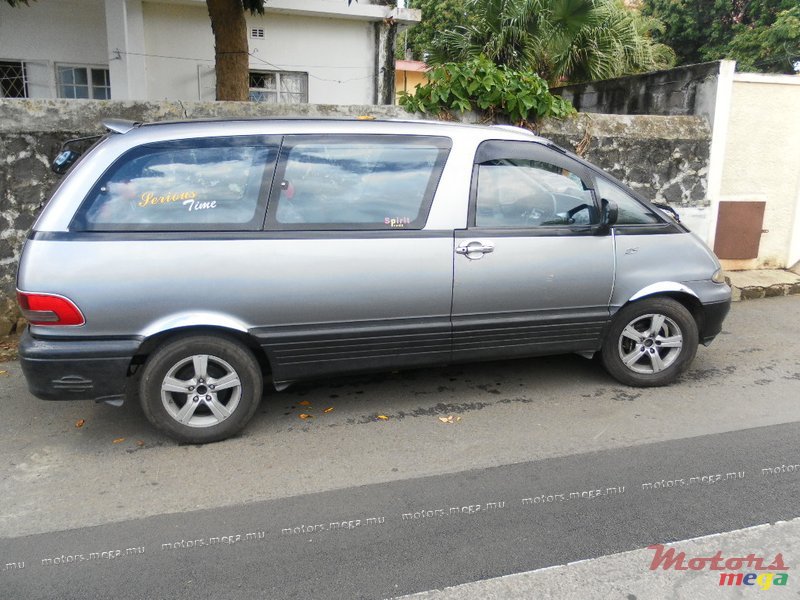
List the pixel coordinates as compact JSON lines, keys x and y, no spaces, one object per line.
{"x":385,"y":36}
{"x":230,"y":48}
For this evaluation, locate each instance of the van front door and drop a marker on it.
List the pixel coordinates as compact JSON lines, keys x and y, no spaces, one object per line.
{"x":532,"y":274}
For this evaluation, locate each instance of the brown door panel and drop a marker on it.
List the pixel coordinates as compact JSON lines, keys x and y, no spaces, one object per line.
{"x":739,"y":228}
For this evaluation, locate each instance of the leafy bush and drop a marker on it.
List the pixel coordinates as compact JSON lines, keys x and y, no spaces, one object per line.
{"x":497,"y":92}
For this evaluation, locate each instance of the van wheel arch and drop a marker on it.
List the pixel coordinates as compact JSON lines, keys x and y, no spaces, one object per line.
{"x":152,"y":343}
{"x":689,"y":302}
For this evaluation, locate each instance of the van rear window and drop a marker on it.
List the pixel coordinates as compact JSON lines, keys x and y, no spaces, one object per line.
{"x":210,"y":183}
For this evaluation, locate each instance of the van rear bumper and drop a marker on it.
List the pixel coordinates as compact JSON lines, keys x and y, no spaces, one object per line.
{"x":76,"y":369}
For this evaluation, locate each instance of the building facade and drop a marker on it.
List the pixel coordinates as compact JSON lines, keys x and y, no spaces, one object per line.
{"x":315,"y":51}
{"x":408,"y":75}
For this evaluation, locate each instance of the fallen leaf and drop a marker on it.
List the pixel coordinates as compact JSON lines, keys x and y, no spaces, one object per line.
{"x":383,"y":417}
{"x":448,"y":419}
{"x":304,"y":416}
{"x":458,"y":418}
{"x":329,"y":409}
{"x":118,"y":441}
{"x":140,"y":443}
{"x":443,"y":419}
{"x":304,"y":403}
{"x":80,"y":423}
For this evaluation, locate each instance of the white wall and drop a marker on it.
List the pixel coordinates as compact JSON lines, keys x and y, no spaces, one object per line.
{"x":330,"y":51}
{"x":337,"y":53}
{"x":125,"y":29}
{"x":339,"y":50}
{"x":762,"y":160}
{"x":50,"y":31}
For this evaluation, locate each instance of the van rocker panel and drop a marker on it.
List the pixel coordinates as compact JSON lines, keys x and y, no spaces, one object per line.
{"x":298,"y":352}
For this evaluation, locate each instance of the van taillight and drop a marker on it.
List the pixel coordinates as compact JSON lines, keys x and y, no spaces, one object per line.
{"x":49,"y":309}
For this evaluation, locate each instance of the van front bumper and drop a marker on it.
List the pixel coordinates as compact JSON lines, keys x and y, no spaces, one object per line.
{"x":714,"y":314}
{"x":76,"y":369}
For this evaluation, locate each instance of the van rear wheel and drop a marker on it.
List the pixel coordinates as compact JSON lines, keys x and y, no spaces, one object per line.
{"x":201,"y":388}
{"x":650,"y":342}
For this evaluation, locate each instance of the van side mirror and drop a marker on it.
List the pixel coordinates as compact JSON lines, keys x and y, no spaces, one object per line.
{"x":67,"y":156}
{"x":608,"y":214}
{"x":608,"y":217}
{"x":64,"y":161}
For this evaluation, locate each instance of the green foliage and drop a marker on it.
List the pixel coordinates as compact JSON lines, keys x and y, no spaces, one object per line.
{"x":761,"y":35}
{"x":775,"y":47}
{"x":19,"y":2}
{"x":437,"y":16}
{"x":687,"y":26}
{"x":254,"y":7}
{"x":499,"y":92}
{"x":561,"y":40}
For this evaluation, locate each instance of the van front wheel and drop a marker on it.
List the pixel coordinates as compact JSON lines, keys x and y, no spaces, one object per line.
{"x":201,"y":388}
{"x":650,"y":342}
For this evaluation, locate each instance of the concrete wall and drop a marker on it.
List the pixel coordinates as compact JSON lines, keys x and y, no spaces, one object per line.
{"x":688,"y":90}
{"x":762,"y":162}
{"x":49,"y":32}
{"x":665,"y":158}
{"x":336,"y":54}
{"x":161,"y":49}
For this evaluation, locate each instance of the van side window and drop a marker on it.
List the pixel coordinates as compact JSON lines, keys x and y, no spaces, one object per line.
{"x":631,"y":211}
{"x":356,"y":182}
{"x":210,"y":183}
{"x":517,"y":192}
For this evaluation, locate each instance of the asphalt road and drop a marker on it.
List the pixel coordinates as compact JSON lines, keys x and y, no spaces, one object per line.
{"x":511,"y":486}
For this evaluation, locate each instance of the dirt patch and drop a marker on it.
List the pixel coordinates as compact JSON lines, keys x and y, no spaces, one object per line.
{"x":8,"y":347}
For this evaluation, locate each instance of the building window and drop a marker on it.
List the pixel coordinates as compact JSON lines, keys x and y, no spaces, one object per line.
{"x":275,"y":87}
{"x":83,"y":82}
{"x":13,"y":79}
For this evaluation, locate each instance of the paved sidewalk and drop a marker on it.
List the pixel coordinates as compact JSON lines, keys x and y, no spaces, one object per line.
{"x":762,"y":283}
{"x":627,"y":576}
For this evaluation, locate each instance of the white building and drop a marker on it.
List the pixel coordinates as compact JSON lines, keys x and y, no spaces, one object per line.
{"x":317,"y":51}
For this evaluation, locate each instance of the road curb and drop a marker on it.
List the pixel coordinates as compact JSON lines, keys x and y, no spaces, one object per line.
{"x":768,"y":283}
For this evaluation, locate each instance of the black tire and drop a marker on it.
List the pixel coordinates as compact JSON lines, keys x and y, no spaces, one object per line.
{"x":208,"y":414}
{"x":653,"y":360}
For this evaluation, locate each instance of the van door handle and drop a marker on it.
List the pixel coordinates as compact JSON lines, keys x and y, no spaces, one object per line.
{"x":475,"y":250}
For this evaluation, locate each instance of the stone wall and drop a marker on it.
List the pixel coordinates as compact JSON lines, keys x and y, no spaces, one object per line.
{"x":687,"y":90}
{"x":664,"y":158}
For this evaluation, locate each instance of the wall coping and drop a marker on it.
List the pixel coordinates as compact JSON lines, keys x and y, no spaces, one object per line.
{"x":25,"y":116}
{"x":709,"y":65}
{"x":767,"y":78}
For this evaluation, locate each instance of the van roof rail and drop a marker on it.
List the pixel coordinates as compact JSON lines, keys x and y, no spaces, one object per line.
{"x":515,"y":128}
{"x":119,"y":125}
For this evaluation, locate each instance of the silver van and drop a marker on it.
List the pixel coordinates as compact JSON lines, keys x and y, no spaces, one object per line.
{"x":188,"y":263}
